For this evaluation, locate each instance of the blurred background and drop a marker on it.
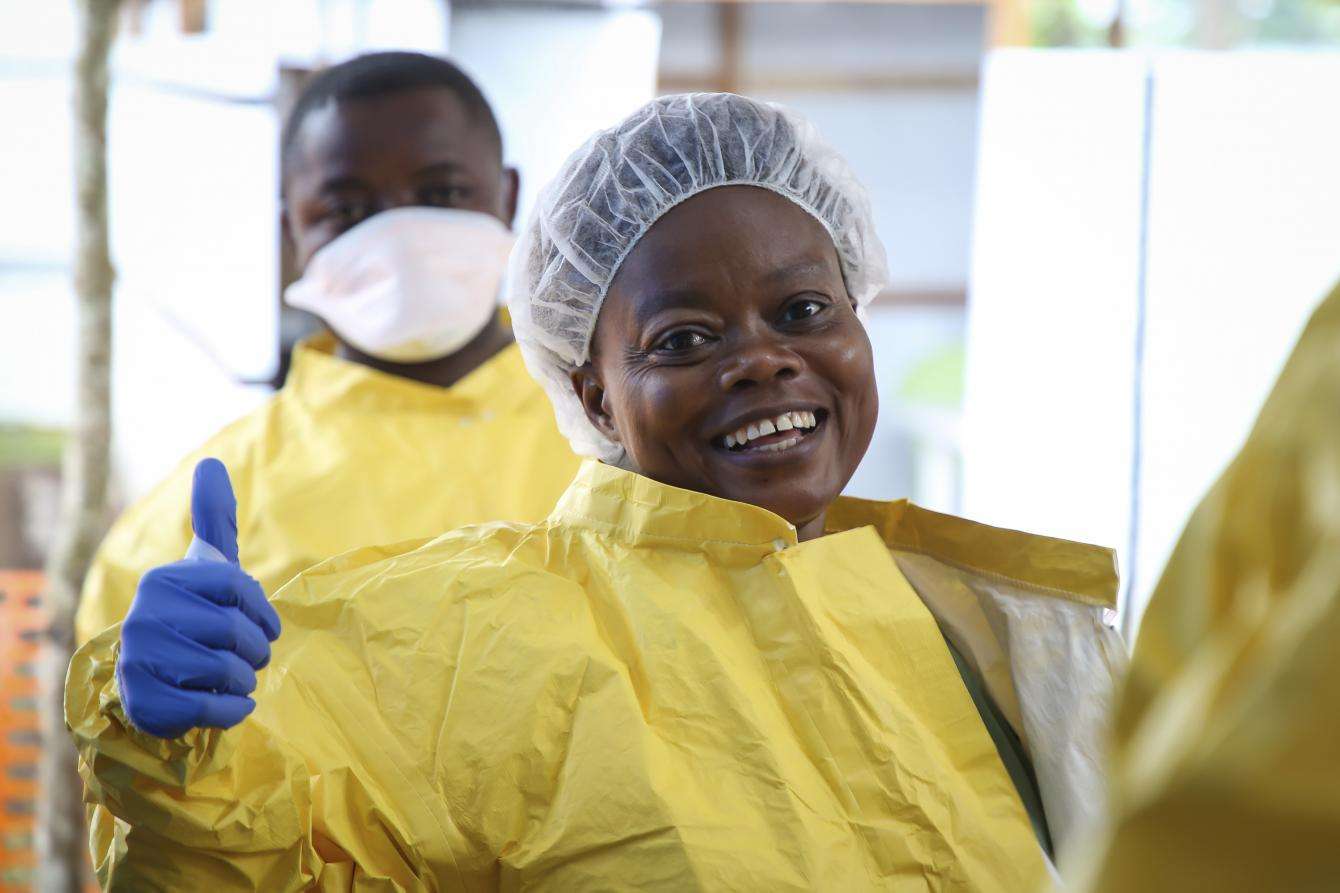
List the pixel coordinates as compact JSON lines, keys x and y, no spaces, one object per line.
{"x":1107,"y":220}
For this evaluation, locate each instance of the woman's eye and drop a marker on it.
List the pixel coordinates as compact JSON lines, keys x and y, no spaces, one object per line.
{"x":681,"y":341}
{"x":803,"y":310}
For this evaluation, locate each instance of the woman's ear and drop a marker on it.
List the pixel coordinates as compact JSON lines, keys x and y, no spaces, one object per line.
{"x":586,"y":383}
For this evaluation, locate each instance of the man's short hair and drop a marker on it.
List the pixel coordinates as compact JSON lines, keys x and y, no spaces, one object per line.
{"x":379,"y":74}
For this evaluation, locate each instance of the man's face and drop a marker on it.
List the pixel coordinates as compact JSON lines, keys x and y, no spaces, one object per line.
{"x":355,"y":158}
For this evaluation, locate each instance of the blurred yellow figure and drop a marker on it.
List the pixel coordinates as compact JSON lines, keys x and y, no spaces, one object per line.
{"x":343,"y":456}
{"x":1228,"y":735}
{"x":654,"y":689}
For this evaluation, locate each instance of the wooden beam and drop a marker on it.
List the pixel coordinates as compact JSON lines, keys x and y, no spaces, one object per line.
{"x":830,"y":2}
{"x":923,"y":297}
{"x":821,"y":82}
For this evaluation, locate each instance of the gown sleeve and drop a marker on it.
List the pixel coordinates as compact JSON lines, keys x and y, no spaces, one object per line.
{"x":283,"y":801}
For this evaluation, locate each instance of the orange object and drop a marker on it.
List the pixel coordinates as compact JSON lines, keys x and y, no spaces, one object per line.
{"x":20,"y":735}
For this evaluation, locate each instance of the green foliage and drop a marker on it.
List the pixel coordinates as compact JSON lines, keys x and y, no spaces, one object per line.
{"x":1060,"y":23}
{"x":22,"y":445}
{"x":936,"y":380}
{"x":1181,"y":23}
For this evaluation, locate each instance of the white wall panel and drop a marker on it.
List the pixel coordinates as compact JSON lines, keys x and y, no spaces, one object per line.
{"x":1244,"y":240}
{"x":1052,"y":305}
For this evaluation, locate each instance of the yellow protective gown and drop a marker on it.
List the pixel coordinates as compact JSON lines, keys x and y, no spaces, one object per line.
{"x":654,"y":689}
{"x":1228,"y":735}
{"x":344,"y":456}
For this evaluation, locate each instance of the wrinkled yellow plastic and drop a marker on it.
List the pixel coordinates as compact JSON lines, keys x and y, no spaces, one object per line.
{"x":654,"y":689}
{"x":1228,"y":734}
{"x":344,"y":456}
{"x":341,"y":457}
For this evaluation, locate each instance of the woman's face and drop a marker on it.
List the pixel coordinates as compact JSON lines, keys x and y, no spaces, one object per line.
{"x":728,"y":358}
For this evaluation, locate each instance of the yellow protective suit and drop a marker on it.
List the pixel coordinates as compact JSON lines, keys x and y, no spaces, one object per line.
{"x":1228,"y":736}
{"x":344,"y":456}
{"x":652,"y":690}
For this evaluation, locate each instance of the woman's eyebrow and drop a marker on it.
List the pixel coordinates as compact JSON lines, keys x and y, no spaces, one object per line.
{"x":796,"y":270}
{"x":657,"y":302}
{"x":689,"y":298}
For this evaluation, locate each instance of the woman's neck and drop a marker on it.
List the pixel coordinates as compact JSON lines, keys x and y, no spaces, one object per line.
{"x":812,"y":529}
{"x":806,"y":530}
{"x":444,"y":371}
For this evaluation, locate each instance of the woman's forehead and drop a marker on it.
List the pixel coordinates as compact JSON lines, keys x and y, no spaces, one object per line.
{"x":700,"y":291}
{"x":736,"y":237}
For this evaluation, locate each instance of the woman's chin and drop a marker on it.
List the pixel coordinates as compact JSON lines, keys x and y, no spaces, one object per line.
{"x":799,"y":503}
{"x":798,"y":485}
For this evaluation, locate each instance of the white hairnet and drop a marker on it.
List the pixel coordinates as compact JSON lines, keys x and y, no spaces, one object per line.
{"x":611,"y":191}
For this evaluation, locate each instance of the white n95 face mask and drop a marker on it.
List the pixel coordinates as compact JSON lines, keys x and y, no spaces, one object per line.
{"x":409,"y":284}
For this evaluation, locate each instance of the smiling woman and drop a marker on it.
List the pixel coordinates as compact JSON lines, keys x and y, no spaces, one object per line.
{"x":705,"y":669}
{"x":750,"y":377}
{"x":723,"y":248}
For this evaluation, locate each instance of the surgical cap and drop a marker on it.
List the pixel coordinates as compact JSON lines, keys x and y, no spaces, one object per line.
{"x":614,"y":188}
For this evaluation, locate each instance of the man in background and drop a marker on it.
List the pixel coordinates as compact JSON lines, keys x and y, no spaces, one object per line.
{"x":413,"y":415}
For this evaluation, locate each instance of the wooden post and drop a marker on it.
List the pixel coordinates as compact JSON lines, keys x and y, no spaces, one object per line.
{"x":194,"y":16}
{"x":62,"y":851}
{"x":1008,"y":23}
{"x":1116,"y":32}
{"x":728,"y":23}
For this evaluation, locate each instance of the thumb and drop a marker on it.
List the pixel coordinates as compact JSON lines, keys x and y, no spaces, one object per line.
{"x":213,"y":512}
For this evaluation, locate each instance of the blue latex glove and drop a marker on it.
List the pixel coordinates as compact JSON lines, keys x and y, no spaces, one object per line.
{"x":199,"y":628}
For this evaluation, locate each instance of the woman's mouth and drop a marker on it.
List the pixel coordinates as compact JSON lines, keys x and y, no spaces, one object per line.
{"x":773,"y":433}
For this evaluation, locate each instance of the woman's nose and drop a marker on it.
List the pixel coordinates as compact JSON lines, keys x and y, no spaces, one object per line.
{"x":758,"y":360}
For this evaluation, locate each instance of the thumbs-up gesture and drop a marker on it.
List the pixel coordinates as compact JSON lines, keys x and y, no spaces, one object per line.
{"x":199,"y":628}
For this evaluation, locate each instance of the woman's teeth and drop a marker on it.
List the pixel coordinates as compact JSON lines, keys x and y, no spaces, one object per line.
{"x":800,"y":419}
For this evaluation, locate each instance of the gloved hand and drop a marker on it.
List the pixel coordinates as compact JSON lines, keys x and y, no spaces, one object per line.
{"x":198,"y":628}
